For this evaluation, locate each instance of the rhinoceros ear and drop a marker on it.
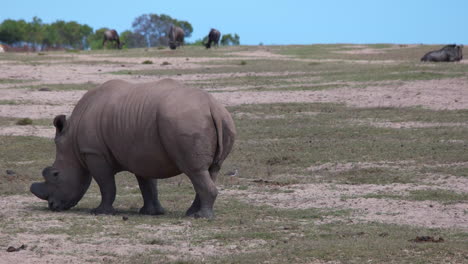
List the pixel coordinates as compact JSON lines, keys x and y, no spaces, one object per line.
{"x":59,"y":123}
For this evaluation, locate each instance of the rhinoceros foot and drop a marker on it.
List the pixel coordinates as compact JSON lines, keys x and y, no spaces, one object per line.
{"x":152,"y":210}
{"x":208,"y":214}
{"x":104,"y":210}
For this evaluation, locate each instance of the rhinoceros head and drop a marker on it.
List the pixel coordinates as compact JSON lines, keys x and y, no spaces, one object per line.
{"x":173,"y":45}
{"x":66,"y":181}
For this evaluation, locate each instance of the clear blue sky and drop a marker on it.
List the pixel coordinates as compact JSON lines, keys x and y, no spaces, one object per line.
{"x":270,"y":21}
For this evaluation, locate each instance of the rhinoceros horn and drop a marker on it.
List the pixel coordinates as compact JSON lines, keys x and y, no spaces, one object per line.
{"x":39,"y":189}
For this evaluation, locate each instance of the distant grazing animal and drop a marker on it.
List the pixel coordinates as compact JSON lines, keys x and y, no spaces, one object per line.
{"x":111,"y":35}
{"x":176,"y":37}
{"x":213,"y":37}
{"x":448,"y":53}
{"x":155,"y":130}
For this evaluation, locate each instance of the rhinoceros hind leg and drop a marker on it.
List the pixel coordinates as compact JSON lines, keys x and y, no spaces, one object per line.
{"x":149,"y":191}
{"x":206,"y":193}
{"x":195,"y":207}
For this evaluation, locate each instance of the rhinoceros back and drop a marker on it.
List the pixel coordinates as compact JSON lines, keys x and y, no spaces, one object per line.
{"x":159,"y":128}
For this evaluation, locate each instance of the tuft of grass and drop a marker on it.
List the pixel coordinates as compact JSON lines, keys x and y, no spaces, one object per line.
{"x":165,"y":63}
{"x":147,"y":62}
{"x":444,"y":196}
{"x":63,"y":86}
{"x":243,"y":63}
{"x":24,"y":121}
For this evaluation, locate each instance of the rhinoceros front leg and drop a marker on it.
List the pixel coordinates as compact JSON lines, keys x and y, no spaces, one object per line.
{"x":105,"y":178}
{"x":206,"y":191}
{"x":149,"y":191}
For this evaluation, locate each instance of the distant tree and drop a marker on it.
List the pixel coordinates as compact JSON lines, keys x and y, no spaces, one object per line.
{"x":95,"y":39}
{"x":51,"y":37}
{"x":74,"y":35}
{"x":229,"y":40}
{"x":37,"y":34}
{"x":12,"y":31}
{"x":132,"y":40}
{"x":35,"y":31}
{"x":200,"y":42}
{"x":153,"y":28}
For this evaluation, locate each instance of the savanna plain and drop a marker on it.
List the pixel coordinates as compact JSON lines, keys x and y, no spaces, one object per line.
{"x":344,"y":154}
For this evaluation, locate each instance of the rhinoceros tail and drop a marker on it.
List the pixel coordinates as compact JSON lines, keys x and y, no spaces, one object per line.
{"x":225,"y":132}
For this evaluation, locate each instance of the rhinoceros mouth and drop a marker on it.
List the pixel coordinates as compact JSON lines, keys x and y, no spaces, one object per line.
{"x":60,"y":206}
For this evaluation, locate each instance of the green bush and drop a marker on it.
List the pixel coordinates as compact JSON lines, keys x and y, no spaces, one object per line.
{"x":24,"y":121}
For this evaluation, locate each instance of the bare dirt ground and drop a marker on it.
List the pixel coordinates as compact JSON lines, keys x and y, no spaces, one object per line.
{"x":444,"y":94}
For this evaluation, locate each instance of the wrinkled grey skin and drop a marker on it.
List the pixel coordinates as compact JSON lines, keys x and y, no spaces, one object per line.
{"x":155,"y":130}
{"x":213,"y":37}
{"x":176,"y":37}
{"x":448,"y":53}
{"x":111,"y":35}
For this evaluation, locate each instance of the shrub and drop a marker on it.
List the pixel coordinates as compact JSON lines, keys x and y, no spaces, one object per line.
{"x":24,"y":121}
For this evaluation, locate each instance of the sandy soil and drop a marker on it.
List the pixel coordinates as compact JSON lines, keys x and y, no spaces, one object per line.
{"x":433,"y":94}
{"x":105,"y":246}
{"x":344,"y":196}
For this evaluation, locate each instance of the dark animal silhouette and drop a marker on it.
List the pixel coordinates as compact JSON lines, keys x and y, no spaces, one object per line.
{"x":111,"y":35}
{"x":213,"y":37}
{"x":176,"y":37}
{"x":448,"y":53}
{"x":154,"y":130}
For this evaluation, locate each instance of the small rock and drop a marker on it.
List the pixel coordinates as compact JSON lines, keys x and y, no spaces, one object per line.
{"x":10,"y":172}
{"x":384,"y":234}
{"x":125,"y":218}
{"x":13,"y":249}
{"x":165,"y":63}
{"x":44,"y":89}
{"x":420,"y":239}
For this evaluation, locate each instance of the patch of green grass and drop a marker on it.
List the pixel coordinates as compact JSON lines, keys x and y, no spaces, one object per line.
{"x":10,"y":121}
{"x":380,"y":176}
{"x":27,"y":156}
{"x":320,"y":51}
{"x":9,"y":102}
{"x":147,"y":62}
{"x":63,"y":86}
{"x":10,"y":80}
{"x":444,"y":196}
{"x":324,"y":72}
{"x":459,"y":171}
{"x":355,"y":243}
{"x":298,"y":88}
{"x":332,"y":136}
{"x":24,"y":121}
